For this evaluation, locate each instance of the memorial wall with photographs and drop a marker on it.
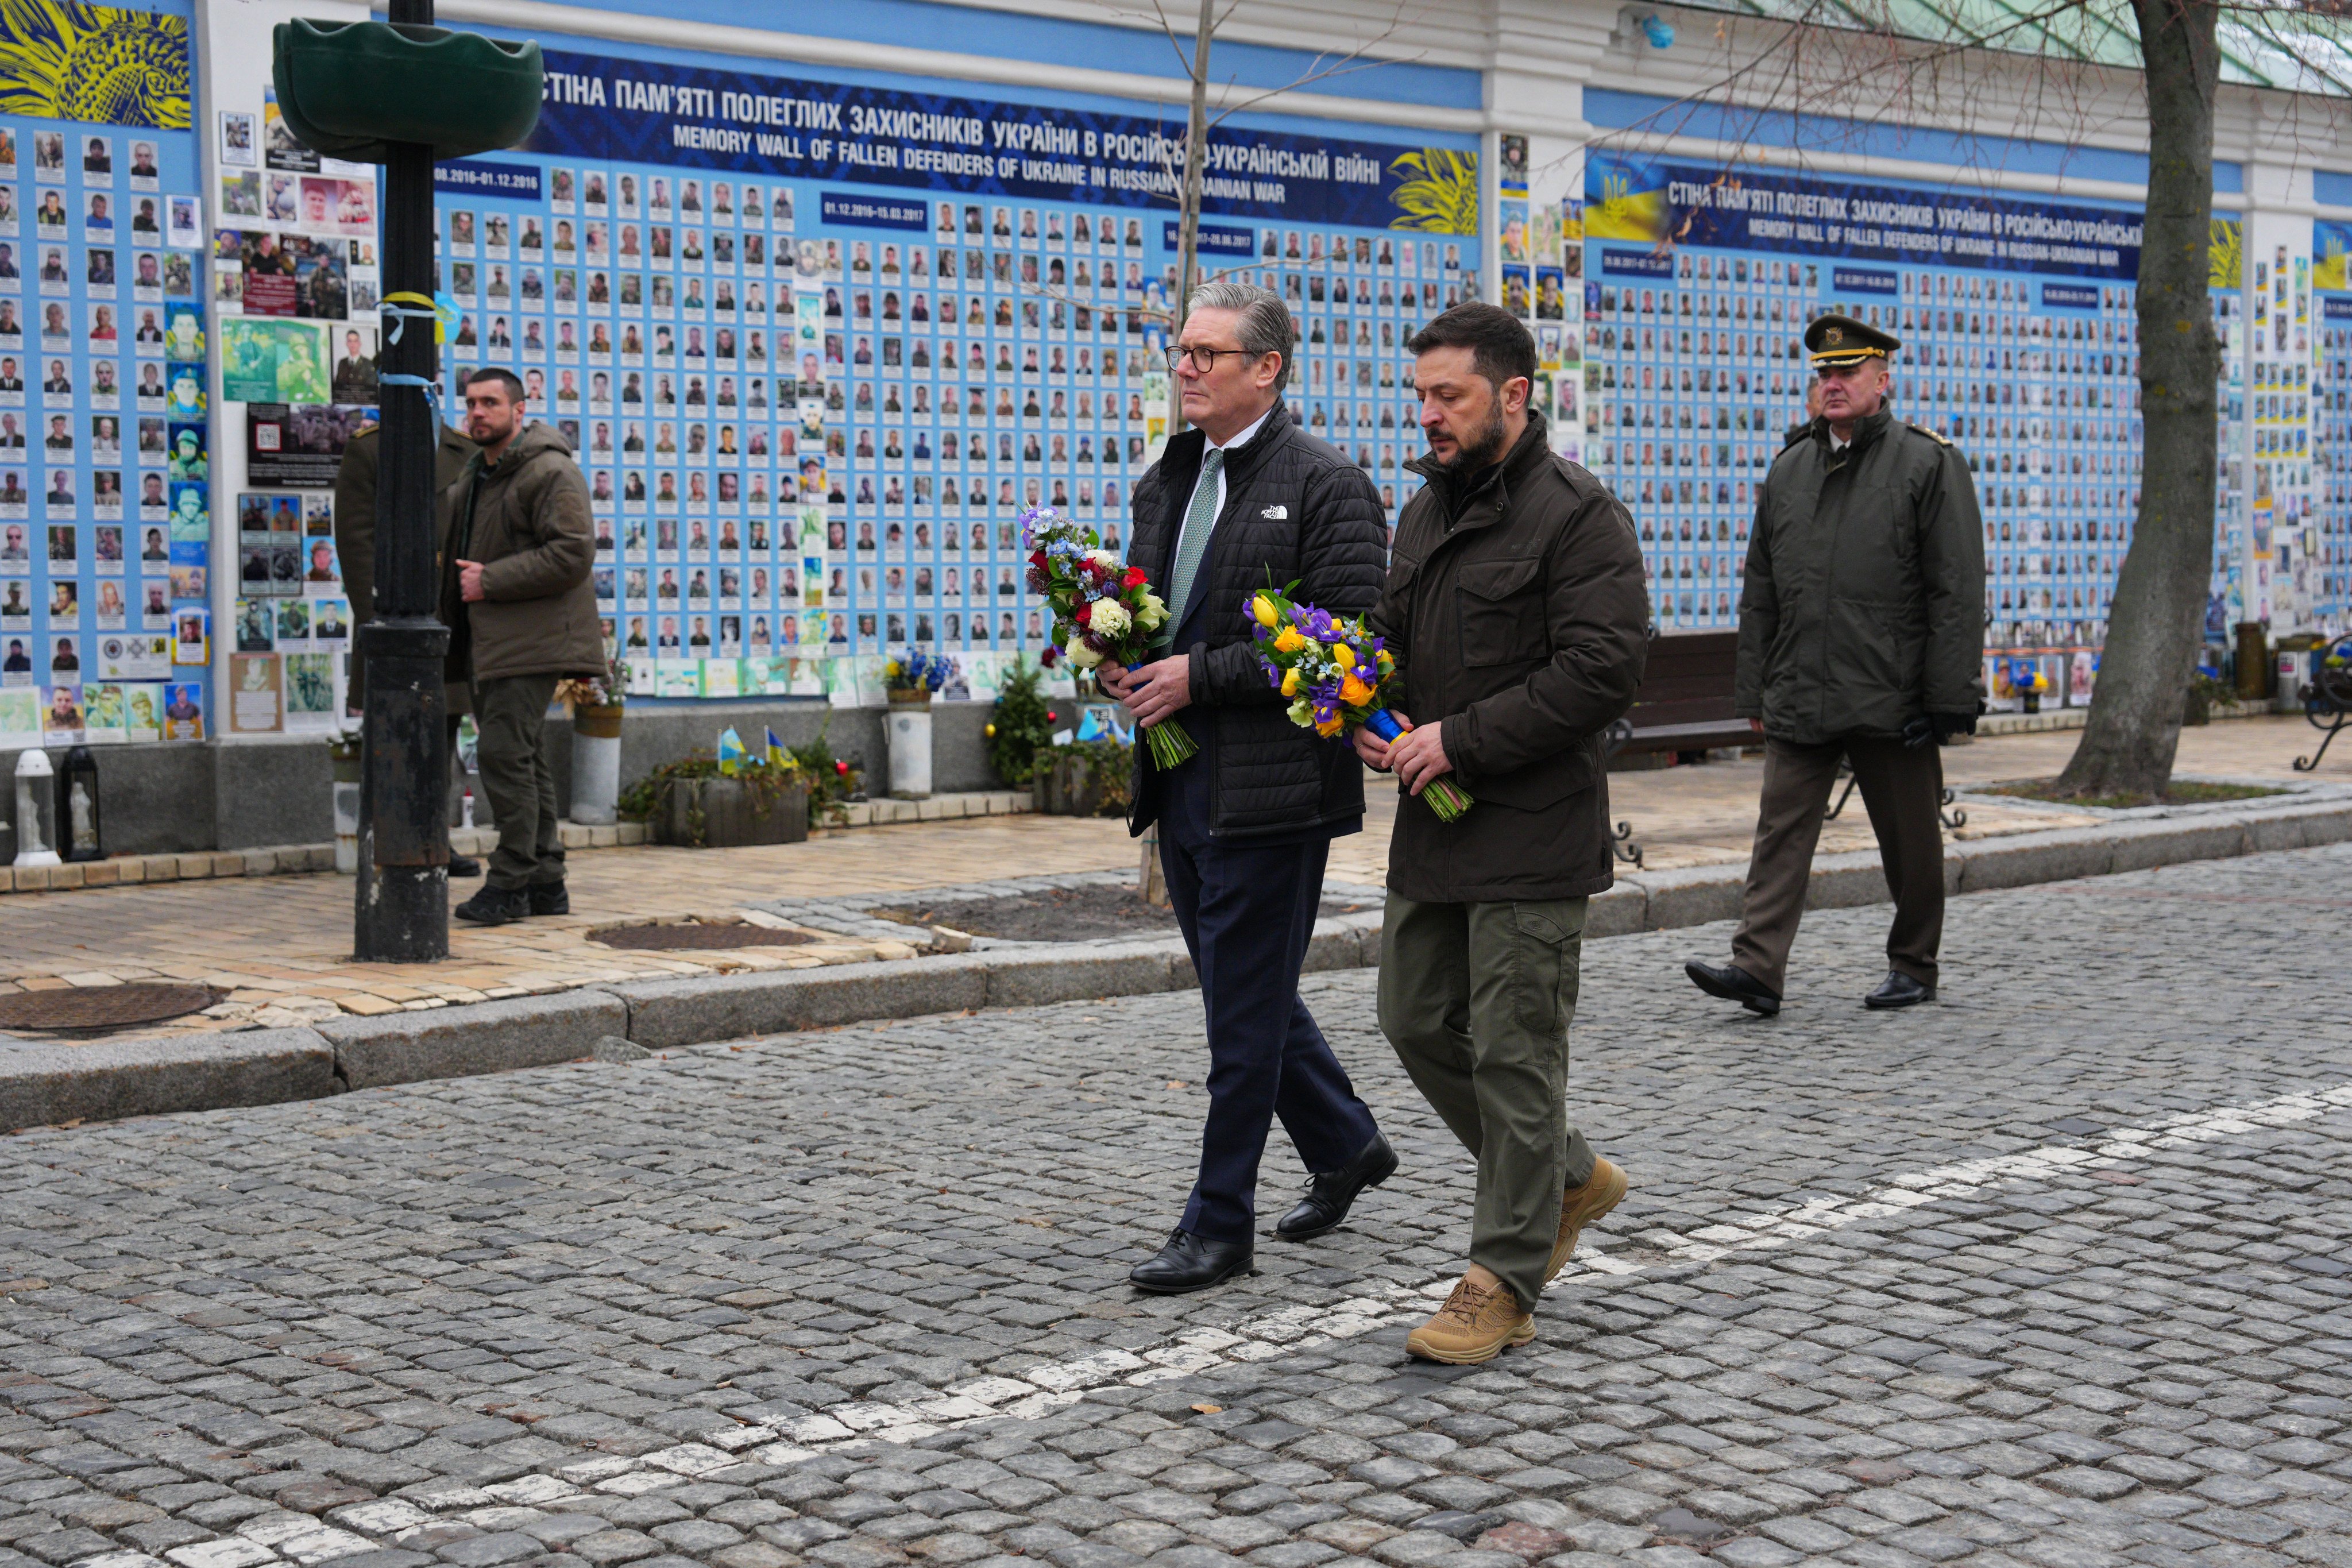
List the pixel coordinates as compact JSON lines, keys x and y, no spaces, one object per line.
{"x":2019,"y":325}
{"x":105,"y":530}
{"x":293,"y":282}
{"x":814,"y":380}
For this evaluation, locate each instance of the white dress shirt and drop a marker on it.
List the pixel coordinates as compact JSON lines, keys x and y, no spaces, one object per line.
{"x":1243,"y":439}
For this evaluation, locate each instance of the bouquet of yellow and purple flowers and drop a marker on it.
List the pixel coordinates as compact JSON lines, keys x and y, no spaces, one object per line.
{"x":1334,"y":672}
{"x":1104,"y":613}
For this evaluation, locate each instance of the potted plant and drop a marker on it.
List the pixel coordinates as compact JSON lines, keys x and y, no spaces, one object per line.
{"x":909,"y":678}
{"x":702,"y":803}
{"x":596,"y":706}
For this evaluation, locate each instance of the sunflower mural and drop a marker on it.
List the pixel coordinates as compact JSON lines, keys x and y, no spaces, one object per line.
{"x":60,"y":59}
{"x":1437,"y":193}
{"x":2225,"y":262}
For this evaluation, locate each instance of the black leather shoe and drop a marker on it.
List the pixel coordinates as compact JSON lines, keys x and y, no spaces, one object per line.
{"x":1899,"y":990}
{"x":551,"y":900}
{"x":1329,"y":1193}
{"x":463,"y":866}
{"x":1733,"y":983}
{"x":495,"y":907}
{"x":1190,"y":1263}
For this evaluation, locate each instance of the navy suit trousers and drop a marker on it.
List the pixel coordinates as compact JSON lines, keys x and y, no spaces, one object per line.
{"x":1247,"y":911}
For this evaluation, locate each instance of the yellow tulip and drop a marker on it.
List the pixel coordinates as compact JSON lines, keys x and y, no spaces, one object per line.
{"x":1290,"y":683}
{"x":1343,"y":655}
{"x":1265,"y":609}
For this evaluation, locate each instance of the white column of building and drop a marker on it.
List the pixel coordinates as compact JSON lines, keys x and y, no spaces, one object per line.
{"x":2275,"y":355}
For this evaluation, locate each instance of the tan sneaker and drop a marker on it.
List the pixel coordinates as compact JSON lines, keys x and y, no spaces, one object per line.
{"x":1579,"y":1206}
{"x":1472,"y":1326}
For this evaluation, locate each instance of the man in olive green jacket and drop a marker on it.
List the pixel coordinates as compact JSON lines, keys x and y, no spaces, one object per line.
{"x":1516,"y":610}
{"x":515,"y":591}
{"x":1861,"y":638}
{"x":355,"y":488}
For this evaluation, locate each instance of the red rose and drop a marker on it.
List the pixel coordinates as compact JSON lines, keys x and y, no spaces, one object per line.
{"x":1134,"y":578}
{"x":1085,"y":613}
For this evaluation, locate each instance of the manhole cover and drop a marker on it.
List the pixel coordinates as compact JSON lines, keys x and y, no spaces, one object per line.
{"x":101,"y":1006}
{"x":698,"y":938}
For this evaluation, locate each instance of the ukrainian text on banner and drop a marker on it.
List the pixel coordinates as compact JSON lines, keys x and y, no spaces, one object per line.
{"x":1681,"y":203}
{"x":645,"y":112}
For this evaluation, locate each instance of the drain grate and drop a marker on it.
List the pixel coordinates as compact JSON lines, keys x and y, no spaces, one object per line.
{"x":101,"y":1006}
{"x":698,"y":937}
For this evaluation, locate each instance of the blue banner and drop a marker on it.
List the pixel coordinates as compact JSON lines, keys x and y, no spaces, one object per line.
{"x":859,"y":211}
{"x":486,"y":177}
{"x":1635,"y":264}
{"x":1678,"y":204}
{"x":648,"y":111}
{"x":1857,"y":281}
{"x":1210,"y":240}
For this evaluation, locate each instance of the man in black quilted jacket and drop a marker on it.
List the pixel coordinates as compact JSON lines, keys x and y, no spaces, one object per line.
{"x":1242,"y":497}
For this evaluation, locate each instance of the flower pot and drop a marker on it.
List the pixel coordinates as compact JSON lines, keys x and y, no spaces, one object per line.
{"x":604,"y":722}
{"x":350,"y":89}
{"x":595,"y":764}
{"x":909,"y":734}
{"x":1067,"y":786}
{"x":910,"y":697}
{"x":729,"y":814}
{"x":347,"y":765}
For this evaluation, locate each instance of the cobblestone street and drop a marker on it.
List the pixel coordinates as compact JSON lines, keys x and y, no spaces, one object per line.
{"x":2053,"y":1272}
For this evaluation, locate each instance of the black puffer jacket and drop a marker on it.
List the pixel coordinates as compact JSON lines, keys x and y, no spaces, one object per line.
{"x":1296,"y":509}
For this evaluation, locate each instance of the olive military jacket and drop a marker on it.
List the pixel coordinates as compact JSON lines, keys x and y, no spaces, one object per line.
{"x":1864,"y":607}
{"x":526,"y":519}
{"x":1519,"y":621}
{"x":355,"y":496}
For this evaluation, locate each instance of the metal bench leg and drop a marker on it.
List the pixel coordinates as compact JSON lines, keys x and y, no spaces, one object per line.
{"x":1852,"y":782}
{"x":1623,"y":847}
{"x":2306,"y":764}
{"x":1953,"y":821}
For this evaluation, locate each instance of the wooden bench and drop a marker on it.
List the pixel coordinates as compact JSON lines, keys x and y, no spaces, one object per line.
{"x":1684,"y":700}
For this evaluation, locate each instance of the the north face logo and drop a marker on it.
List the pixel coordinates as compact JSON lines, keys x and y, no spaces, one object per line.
{"x":1274,"y":514}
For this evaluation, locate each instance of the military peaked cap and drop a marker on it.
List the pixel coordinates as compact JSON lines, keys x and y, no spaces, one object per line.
{"x":1842,"y":340}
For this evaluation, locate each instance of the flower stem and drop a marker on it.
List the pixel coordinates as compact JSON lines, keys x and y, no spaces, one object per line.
{"x":1170,"y":745}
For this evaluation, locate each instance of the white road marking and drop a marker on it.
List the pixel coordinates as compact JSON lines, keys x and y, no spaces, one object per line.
{"x":307,"y":1542}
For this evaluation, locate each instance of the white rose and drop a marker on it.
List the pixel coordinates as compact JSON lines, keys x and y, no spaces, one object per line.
{"x":1080,"y":655}
{"x":1104,"y":559}
{"x":1109,"y":619}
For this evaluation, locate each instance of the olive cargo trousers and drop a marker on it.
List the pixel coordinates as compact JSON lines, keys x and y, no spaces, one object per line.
{"x":1477,"y":1000}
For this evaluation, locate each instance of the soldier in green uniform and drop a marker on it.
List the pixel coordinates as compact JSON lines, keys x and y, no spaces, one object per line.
{"x":1861,"y":638}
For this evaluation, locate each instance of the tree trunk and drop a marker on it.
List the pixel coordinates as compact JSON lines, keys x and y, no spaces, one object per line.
{"x":2157,"y":625}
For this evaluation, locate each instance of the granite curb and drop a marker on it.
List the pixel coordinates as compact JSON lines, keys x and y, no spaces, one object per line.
{"x":44,"y":1083}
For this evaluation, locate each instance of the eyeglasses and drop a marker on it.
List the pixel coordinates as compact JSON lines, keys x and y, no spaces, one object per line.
{"x":1203,"y":360}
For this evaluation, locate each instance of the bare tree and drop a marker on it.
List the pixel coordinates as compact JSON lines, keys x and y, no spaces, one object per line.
{"x":1186,"y":164}
{"x":2156,"y":627}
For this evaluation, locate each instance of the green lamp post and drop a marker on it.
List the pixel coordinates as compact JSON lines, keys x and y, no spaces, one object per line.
{"x":405,"y":93}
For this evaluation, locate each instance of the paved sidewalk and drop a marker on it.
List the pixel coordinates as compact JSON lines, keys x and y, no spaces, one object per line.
{"x":2057,"y":1272}
{"x":278,"y":947}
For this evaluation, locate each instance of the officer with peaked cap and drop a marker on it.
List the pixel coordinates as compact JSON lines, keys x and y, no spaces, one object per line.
{"x":1861,"y":638}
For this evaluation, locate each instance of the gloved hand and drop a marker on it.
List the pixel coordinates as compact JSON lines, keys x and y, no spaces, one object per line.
{"x":1947,"y":725}
{"x":1918,"y":730}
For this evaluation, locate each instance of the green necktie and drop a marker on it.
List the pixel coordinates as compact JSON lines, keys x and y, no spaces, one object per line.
{"x":1194,"y":541}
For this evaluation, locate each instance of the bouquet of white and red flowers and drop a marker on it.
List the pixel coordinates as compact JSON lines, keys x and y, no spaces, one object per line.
{"x":1334,"y":673}
{"x":1104,"y":613}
